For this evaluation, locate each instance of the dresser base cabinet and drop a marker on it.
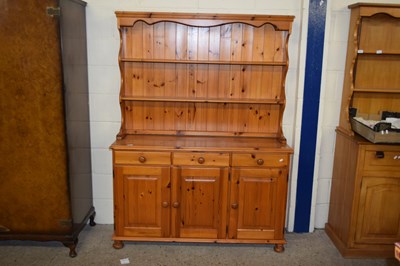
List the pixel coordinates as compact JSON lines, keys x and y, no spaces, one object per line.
{"x":364,"y":214}
{"x":218,"y":195}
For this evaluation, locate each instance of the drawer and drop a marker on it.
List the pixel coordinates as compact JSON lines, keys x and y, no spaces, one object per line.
{"x":198,"y":158}
{"x":260,"y":159}
{"x":382,"y":160}
{"x":142,"y":158}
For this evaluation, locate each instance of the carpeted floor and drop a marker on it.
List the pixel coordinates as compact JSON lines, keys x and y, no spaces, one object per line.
{"x":95,"y":248}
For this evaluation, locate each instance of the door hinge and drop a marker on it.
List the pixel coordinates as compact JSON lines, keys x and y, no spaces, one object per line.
{"x":53,"y":11}
{"x":65,"y":222}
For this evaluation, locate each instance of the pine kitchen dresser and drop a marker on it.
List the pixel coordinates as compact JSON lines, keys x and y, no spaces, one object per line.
{"x":201,"y":156}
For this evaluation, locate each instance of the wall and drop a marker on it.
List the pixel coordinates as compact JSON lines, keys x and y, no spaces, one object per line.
{"x":103,"y":46}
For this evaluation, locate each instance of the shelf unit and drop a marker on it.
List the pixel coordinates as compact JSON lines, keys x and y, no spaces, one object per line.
{"x":371,"y":83}
{"x":364,"y":217}
{"x":199,"y":91}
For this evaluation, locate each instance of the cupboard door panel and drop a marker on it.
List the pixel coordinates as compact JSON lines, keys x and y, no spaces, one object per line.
{"x":139,"y":189}
{"x":378,"y":218}
{"x":257,"y":201}
{"x":199,"y":197}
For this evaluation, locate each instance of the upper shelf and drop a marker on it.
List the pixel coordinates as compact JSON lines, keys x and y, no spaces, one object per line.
{"x":208,"y":62}
{"x":127,"y":19}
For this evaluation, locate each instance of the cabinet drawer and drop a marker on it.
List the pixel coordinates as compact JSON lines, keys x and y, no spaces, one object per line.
{"x":140,"y":158}
{"x":196,"y":158}
{"x":382,"y":160}
{"x":260,"y":159}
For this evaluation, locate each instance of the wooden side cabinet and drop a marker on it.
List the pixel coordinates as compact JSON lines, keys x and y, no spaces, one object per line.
{"x":201,"y":155}
{"x":364,"y":212}
{"x":364,"y":215}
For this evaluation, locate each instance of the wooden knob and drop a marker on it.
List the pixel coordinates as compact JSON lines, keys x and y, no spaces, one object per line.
{"x":201,"y":160}
{"x":176,"y":204}
{"x":142,"y":159}
{"x":234,"y":206}
{"x":165,"y":204}
{"x":260,"y":161}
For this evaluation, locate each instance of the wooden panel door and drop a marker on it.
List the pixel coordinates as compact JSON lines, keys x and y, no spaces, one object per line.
{"x":257,"y":203}
{"x":378,"y":219}
{"x":141,"y":201}
{"x":199,"y":202}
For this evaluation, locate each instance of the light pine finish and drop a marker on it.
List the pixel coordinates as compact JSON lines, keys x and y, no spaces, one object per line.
{"x":364,"y":214}
{"x":202,"y":100}
{"x":179,"y":78}
{"x":199,"y":202}
{"x":141,"y":196}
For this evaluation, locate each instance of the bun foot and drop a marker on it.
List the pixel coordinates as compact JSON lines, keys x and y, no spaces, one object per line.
{"x":118,"y":244}
{"x":279,"y":248}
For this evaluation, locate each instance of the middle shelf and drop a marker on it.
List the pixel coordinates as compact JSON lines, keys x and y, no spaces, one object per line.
{"x":201,"y":100}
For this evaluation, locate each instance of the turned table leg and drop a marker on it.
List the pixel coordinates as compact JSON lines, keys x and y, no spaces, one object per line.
{"x":72,"y":247}
{"x":91,"y":220}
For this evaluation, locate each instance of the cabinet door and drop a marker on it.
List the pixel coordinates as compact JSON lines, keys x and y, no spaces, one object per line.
{"x":378,"y":219}
{"x":257,"y":203}
{"x":199,"y":202}
{"x":141,"y":201}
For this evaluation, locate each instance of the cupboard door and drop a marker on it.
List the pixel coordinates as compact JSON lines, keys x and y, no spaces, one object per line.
{"x":378,"y":219}
{"x":257,"y":203}
{"x":199,"y":202}
{"x":142,"y":199}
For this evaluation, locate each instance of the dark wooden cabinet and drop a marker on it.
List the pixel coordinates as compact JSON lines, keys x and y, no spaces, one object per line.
{"x":45,"y":165}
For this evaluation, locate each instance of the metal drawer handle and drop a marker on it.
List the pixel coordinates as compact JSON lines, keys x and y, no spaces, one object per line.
{"x":260,"y":161}
{"x":142,"y":159}
{"x":379,"y":154}
{"x":201,"y":160}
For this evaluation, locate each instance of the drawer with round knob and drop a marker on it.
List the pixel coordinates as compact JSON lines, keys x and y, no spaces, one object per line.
{"x":382,"y":159}
{"x":142,"y":158}
{"x":260,"y":159}
{"x":199,"y":158}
